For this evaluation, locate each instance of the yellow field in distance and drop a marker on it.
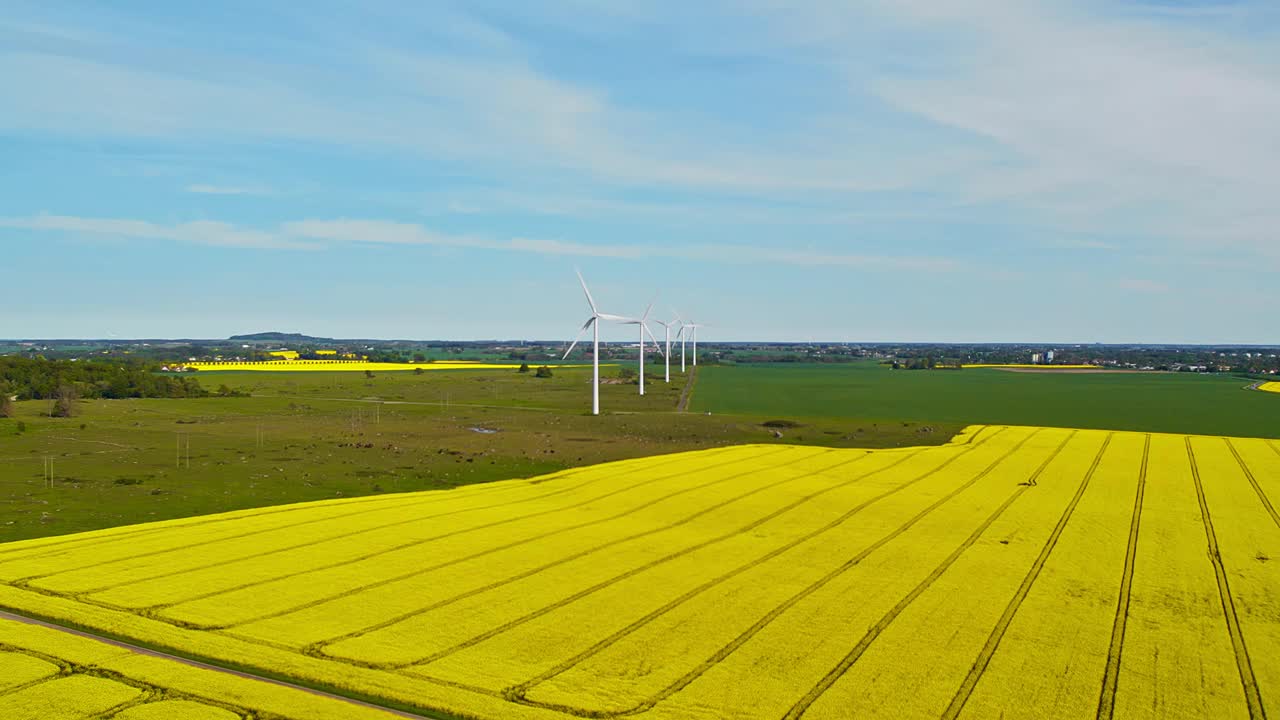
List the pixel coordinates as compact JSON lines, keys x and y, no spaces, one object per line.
{"x":1017,"y":572}
{"x":349,"y":365}
{"x":47,"y":674}
{"x":1270,"y":387}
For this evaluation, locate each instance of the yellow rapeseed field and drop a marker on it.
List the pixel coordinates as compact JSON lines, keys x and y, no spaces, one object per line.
{"x":1270,"y":387}
{"x":48,"y":674}
{"x":1016,"y":572}
{"x":337,"y":365}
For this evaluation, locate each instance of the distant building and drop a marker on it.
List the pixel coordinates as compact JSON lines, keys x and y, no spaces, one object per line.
{"x":1048,"y":357}
{"x":1036,"y":358}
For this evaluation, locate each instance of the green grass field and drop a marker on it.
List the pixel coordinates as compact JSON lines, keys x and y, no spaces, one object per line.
{"x":326,"y":435}
{"x":1157,"y":402}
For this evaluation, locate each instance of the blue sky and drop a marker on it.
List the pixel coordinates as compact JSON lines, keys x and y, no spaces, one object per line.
{"x":860,"y":170}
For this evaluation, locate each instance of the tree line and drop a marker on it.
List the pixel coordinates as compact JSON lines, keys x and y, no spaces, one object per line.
{"x":37,"y":378}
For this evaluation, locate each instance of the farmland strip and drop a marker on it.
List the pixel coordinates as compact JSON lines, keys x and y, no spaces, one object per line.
{"x":599,"y":586}
{"x":1266,"y":502}
{"x":997,"y":633}
{"x":458,"y":560}
{"x":518,"y":692}
{"x":874,"y":631}
{"x":568,"y":558}
{"x":1247,"y":680}
{"x":1111,"y":677}
{"x":398,"y":523}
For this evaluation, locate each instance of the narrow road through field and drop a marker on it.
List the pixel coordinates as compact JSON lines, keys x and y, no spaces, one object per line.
{"x":5,"y":615}
{"x":683,"y":405}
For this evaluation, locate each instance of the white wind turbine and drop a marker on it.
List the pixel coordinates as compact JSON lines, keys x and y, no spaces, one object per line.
{"x":593,"y":322}
{"x":644,"y":328}
{"x":683,"y":327}
{"x":694,"y":327}
{"x":666,"y":326}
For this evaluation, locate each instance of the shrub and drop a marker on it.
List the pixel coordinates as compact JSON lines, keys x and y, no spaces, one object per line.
{"x":7,"y":408}
{"x":524,"y":368}
{"x":543,"y":372}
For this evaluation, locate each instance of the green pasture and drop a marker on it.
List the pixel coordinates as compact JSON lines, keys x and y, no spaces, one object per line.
{"x":1207,"y":404}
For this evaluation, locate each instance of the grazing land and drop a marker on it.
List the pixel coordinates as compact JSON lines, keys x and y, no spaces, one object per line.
{"x":1058,"y":573}
{"x":1205,"y":404}
{"x":50,"y":674}
{"x":316,"y":435}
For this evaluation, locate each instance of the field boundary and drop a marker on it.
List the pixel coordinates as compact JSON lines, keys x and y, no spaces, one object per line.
{"x":1247,"y":679}
{"x":1111,"y":676}
{"x":426,"y":500}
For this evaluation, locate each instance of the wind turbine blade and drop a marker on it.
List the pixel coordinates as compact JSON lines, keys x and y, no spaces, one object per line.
{"x":590,"y":301}
{"x":615,"y":318}
{"x":654,"y":339}
{"x":645,"y":316}
{"x":577,"y":338}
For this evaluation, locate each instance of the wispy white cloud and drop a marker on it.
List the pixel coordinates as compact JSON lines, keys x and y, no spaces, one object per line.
{"x":200,"y":232}
{"x":315,"y":234}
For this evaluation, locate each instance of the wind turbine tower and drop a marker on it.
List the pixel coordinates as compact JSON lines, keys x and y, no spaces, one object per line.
{"x":644,"y":328}
{"x":666,"y":327}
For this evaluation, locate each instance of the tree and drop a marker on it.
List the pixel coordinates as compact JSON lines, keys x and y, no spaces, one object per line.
{"x":543,"y":372}
{"x":627,"y":372}
{"x":7,"y":409}
{"x":524,"y":368}
{"x":419,"y":357}
{"x":65,"y":404}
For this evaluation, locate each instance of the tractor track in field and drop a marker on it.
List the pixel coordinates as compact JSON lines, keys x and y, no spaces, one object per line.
{"x":1266,"y":502}
{"x":1111,"y":676}
{"x":1248,"y":680}
{"x":318,"y":647}
{"x":454,"y":561}
{"x":746,"y":635}
{"x":189,"y":662}
{"x":803,"y":704}
{"x":997,"y":634}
